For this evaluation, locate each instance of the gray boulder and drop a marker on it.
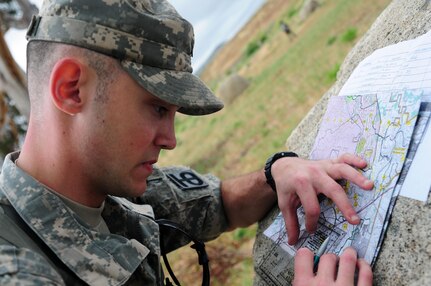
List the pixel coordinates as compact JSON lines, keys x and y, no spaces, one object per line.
{"x":232,"y":87}
{"x":307,"y":9}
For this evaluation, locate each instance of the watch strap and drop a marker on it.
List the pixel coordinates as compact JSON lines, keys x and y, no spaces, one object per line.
{"x":268,"y":165}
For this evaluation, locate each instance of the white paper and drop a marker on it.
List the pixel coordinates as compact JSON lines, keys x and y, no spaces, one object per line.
{"x":417,"y":182}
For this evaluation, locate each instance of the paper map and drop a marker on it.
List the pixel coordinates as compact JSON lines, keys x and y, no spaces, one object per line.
{"x":378,"y":130}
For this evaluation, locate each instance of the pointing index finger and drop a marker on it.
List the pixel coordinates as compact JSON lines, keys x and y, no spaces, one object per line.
{"x":347,"y":171}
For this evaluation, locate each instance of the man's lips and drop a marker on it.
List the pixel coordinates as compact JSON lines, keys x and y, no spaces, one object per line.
{"x":149,"y":165}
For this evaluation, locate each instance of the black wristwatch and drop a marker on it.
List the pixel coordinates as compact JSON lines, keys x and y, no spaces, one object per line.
{"x":269,"y":179}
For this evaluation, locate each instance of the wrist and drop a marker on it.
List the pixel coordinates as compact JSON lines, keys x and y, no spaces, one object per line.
{"x":268,"y":167}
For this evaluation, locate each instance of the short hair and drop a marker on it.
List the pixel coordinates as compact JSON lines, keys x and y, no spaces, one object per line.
{"x":43,"y":55}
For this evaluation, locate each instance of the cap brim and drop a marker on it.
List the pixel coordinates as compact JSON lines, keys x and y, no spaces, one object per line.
{"x":182,"y":89}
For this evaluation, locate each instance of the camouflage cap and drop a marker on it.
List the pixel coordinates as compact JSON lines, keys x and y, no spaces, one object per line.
{"x":152,"y":41}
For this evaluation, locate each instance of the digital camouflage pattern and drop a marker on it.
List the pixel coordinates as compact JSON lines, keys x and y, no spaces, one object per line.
{"x":152,"y":41}
{"x":130,"y":255}
{"x":25,"y":265}
{"x":199,"y":210}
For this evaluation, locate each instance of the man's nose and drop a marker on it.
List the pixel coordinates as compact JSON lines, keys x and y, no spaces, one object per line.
{"x":166,"y":137}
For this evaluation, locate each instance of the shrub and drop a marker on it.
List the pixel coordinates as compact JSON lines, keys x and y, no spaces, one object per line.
{"x":252,"y":47}
{"x":331,"y":40}
{"x":292,"y":12}
{"x":332,"y":74}
{"x":349,"y":35}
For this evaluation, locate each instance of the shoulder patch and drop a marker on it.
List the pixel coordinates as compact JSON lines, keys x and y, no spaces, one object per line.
{"x":187,"y":180}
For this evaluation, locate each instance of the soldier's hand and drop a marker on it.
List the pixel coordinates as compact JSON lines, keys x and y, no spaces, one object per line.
{"x":300,"y":181}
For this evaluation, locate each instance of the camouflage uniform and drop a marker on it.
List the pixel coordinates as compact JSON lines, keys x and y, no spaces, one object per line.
{"x":129,"y":255}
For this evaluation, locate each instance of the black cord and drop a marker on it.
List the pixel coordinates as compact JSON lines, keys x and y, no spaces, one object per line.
{"x":197,"y":245}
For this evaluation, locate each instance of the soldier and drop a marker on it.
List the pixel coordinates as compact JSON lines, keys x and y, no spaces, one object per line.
{"x":106,"y":79}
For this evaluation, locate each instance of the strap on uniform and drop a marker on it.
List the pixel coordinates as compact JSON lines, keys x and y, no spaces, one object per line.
{"x":198,"y":245}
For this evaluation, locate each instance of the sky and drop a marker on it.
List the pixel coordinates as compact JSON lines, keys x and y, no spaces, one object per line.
{"x":214,"y":22}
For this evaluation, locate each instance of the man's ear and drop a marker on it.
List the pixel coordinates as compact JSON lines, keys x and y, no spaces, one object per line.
{"x":66,"y":82}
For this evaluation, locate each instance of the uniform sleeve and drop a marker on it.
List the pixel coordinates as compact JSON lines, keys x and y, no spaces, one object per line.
{"x":192,"y":200}
{"x":21,"y":266}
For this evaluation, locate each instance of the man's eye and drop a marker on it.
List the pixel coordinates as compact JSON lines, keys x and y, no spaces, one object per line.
{"x":160,"y":110}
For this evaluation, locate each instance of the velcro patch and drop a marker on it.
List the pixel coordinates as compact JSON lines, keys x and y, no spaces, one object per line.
{"x":187,"y":180}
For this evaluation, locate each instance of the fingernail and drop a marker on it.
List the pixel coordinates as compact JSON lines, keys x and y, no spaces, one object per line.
{"x":355,"y":218}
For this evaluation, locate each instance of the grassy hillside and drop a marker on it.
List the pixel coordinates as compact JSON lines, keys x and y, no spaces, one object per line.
{"x":287,"y":76}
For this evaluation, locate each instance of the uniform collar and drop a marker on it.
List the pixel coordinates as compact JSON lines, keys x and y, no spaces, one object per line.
{"x":103,"y":259}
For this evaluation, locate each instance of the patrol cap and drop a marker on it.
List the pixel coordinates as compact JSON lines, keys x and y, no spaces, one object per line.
{"x":152,"y":41}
